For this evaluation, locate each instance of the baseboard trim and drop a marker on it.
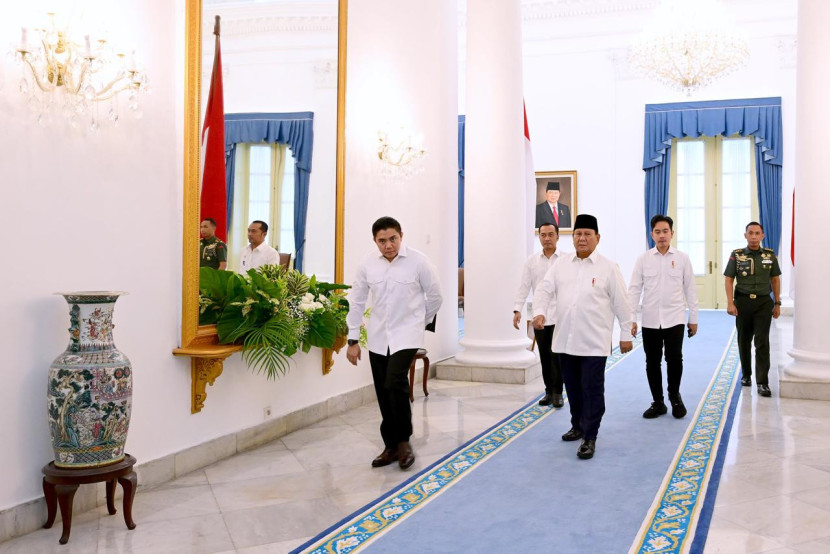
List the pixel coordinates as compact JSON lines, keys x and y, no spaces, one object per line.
{"x":30,"y":516}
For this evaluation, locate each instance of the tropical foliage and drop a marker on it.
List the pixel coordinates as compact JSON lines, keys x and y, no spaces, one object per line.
{"x":272,"y":312}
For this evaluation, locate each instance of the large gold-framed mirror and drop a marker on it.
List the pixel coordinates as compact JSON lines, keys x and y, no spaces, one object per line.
{"x":196,"y":340}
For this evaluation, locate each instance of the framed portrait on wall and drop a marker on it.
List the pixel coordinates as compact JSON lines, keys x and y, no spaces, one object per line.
{"x":556,"y":199}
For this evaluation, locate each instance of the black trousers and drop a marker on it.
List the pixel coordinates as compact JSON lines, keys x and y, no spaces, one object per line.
{"x":653,"y":342}
{"x":551,"y":373}
{"x":753,"y":321}
{"x":391,"y":376}
{"x":585,"y":382}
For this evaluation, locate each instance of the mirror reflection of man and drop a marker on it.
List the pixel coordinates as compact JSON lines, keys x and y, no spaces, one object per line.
{"x":212,"y":251}
{"x":551,"y":210}
{"x":588,"y":292}
{"x":534,"y":270}
{"x":258,"y":252}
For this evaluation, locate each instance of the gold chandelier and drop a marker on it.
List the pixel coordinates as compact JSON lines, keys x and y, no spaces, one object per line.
{"x":78,"y":79}
{"x":688,"y":44}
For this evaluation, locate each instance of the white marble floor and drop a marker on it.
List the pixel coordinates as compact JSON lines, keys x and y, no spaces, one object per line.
{"x":774,"y":494}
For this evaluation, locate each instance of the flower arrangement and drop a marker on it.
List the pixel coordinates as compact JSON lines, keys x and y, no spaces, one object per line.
{"x":273,"y":312}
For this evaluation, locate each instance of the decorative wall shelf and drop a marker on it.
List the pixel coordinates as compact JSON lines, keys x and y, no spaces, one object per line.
{"x":205,"y":366}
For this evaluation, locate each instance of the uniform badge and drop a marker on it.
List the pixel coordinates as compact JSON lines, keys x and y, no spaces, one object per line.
{"x":744,"y":273}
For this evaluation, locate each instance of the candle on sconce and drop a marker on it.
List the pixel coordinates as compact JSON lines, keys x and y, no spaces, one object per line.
{"x":24,"y":32}
{"x":88,"y":47}
{"x":131,"y":64}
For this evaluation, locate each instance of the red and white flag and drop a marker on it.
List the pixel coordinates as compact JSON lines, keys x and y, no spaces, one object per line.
{"x":214,"y":199}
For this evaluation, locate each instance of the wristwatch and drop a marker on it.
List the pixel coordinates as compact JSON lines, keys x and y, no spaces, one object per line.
{"x":352,"y":342}
{"x":777,"y":302}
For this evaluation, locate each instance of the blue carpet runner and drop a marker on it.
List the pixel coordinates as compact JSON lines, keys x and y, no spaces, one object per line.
{"x":518,"y":487}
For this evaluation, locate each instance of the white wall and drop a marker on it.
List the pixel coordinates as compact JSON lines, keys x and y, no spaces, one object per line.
{"x":104,"y":212}
{"x":586,"y":111}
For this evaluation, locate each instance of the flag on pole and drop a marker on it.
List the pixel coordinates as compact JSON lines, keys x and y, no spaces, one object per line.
{"x":214,"y":200}
{"x":530,"y":179}
{"x":792,"y":252}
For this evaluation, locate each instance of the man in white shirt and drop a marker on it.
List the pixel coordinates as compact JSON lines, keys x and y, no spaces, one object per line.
{"x":663,"y":277}
{"x":533,"y":272}
{"x":406,"y":295}
{"x":588,"y":291}
{"x":258,"y":252}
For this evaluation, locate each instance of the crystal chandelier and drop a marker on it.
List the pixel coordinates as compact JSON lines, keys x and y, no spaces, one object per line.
{"x":688,"y":44}
{"x":81,"y":80}
{"x":401,"y":155}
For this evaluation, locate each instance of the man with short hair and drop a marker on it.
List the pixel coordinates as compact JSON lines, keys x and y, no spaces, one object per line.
{"x":535,"y":268}
{"x":212,"y":251}
{"x":588,"y":291}
{"x":406,"y":295}
{"x":758,"y":274}
{"x":663,"y":277}
{"x":551,"y":210}
{"x":257,"y":253}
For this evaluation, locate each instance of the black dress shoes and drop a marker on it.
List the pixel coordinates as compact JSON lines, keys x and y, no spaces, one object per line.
{"x":586,"y":449}
{"x":763,"y":390}
{"x":572,"y":435}
{"x":547,"y":400}
{"x":746,"y":381}
{"x":558,"y":401}
{"x":656,"y":409}
{"x":406,"y":457}
{"x":386,"y":457}
{"x":678,"y":410}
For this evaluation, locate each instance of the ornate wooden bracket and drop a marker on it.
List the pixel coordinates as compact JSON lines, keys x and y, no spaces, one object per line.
{"x":328,"y":354}
{"x":205,"y":366}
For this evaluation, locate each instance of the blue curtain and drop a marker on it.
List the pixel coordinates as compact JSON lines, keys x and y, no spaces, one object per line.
{"x":461,"y":123}
{"x":293,"y":129}
{"x":756,"y":117}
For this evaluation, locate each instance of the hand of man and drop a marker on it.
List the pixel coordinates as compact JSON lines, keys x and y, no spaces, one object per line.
{"x":626,"y":346}
{"x":776,"y":311}
{"x":692,"y":329}
{"x":517,"y":316}
{"x":634,"y":329}
{"x":731,"y":309}
{"x":539,"y":322}
{"x":353,"y":354}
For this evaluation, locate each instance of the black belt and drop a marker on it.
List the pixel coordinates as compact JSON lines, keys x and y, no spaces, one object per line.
{"x":751,"y":296}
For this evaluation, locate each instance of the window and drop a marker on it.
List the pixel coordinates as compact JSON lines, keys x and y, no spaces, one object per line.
{"x":263,"y":190}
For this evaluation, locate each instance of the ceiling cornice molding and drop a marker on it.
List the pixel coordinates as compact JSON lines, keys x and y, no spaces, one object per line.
{"x":250,"y":18}
{"x":540,"y":10}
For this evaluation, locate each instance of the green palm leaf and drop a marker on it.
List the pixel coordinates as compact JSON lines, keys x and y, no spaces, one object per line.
{"x":264,"y":347}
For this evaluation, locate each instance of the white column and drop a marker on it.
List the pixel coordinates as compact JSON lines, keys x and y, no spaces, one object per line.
{"x":809,"y":375}
{"x":495,"y":226}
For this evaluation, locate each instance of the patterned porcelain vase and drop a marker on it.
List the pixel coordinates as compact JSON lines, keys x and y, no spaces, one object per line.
{"x":90,"y":387}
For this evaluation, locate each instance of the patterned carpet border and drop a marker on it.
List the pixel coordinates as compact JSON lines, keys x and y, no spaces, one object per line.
{"x":370,"y":522}
{"x":670,"y":524}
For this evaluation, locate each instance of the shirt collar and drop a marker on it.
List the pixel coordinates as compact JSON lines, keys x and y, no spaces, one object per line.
{"x":656,"y":252}
{"x":593,"y":256}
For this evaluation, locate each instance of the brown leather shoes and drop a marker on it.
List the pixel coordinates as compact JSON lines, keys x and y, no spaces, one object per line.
{"x":405,"y":455}
{"x":385,"y":458}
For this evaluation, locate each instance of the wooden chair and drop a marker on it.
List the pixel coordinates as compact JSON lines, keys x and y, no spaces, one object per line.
{"x":421,"y":354}
{"x":285,"y":260}
{"x":460,"y":292}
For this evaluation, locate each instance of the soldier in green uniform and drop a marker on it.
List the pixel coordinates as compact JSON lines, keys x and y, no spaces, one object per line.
{"x":757,"y":272}
{"x":212,"y":251}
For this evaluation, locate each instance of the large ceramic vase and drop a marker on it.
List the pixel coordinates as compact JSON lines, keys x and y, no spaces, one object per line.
{"x":90,"y":387}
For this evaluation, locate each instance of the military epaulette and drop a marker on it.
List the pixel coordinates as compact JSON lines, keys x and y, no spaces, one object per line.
{"x":738,"y":250}
{"x":769,"y":250}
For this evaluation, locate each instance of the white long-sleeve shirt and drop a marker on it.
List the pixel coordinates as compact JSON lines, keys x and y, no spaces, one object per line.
{"x":666,"y":284}
{"x":534,"y":270}
{"x":406,"y":295}
{"x":588,"y":293}
{"x":261,"y":255}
